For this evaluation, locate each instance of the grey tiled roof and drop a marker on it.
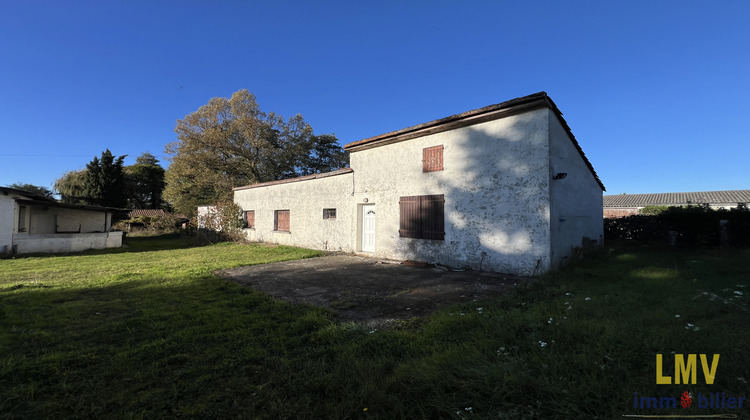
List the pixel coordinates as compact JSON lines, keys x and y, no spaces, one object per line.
{"x":153,"y":213}
{"x":146,"y":213}
{"x":715,"y":198}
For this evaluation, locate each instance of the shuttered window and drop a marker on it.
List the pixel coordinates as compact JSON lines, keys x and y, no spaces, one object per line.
{"x":250,"y":219}
{"x":432,"y":159}
{"x":281,"y":220}
{"x":422,"y":217}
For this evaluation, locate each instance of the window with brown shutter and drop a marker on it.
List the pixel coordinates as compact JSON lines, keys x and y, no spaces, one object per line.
{"x":281,"y":220}
{"x":250,"y":219}
{"x":432,"y":159}
{"x":422,"y":217}
{"x":409,"y":217}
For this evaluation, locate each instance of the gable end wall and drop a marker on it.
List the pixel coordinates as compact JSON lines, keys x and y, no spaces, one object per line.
{"x":577,"y":199}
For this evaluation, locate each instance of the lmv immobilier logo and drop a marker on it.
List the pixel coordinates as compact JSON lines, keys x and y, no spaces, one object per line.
{"x":689,"y":369}
{"x":686,"y":369}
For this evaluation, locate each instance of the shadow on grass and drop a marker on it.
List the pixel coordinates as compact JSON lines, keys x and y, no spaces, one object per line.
{"x":159,"y":243}
{"x":201,"y":347}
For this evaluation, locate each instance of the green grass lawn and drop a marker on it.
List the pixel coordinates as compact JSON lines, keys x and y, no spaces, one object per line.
{"x":149,"y":331}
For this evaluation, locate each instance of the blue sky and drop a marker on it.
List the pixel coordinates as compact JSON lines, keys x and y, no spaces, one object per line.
{"x":655,"y":91}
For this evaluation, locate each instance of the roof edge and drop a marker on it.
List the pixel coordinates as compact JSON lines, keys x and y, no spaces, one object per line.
{"x":341,"y":171}
{"x":69,"y":206}
{"x":713,"y":198}
{"x":567,"y":129}
{"x":487,"y":113}
{"x":35,"y":196}
{"x":40,"y":200}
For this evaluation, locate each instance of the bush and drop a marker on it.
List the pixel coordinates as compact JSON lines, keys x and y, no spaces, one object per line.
{"x":223,"y":222}
{"x":653,"y":210}
{"x":150,"y":225}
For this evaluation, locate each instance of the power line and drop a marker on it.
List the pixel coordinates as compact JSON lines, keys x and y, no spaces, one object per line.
{"x":39,"y":155}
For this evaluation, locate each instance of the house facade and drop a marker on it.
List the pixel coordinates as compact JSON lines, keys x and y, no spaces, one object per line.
{"x":30,"y":223}
{"x":503,"y":188}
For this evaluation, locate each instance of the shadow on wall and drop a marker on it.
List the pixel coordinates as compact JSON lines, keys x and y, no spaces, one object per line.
{"x":496,"y":201}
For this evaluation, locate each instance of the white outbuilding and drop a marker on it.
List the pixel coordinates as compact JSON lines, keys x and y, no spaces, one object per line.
{"x":30,"y":223}
{"x":503,"y":188}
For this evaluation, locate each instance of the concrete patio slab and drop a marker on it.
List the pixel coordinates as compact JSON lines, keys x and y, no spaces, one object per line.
{"x":370,"y":291}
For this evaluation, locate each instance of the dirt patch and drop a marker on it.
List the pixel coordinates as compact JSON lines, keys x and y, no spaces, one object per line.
{"x":370,"y":291}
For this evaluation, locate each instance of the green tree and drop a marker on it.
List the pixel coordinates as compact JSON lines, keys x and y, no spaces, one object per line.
{"x":325,"y":155}
{"x":43,"y":191}
{"x":230,"y":142}
{"x":71,"y":187}
{"x":104,"y":181}
{"x":145,"y":183}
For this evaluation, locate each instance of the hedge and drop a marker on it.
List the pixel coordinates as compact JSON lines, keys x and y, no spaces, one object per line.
{"x":690,"y":226}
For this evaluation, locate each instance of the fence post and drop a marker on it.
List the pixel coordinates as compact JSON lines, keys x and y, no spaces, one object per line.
{"x":672,"y":237}
{"x":724,"y":235}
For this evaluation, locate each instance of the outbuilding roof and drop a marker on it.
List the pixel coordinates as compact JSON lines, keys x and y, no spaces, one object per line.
{"x":714,"y":198}
{"x":24,"y":193}
{"x":34,"y":199}
{"x":487,"y":113}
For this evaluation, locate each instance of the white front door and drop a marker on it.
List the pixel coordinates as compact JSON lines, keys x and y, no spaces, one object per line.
{"x":368,"y":228}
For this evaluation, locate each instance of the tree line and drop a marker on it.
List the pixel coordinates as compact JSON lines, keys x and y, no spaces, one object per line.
{"x":228,"y":142}
{"x":107,"y":182}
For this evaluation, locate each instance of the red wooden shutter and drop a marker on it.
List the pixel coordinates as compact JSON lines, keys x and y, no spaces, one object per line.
{"x":432,"y":159}
{"x":282,"y":220}
{"x":250,"y":219}
{"x":408,"y":226}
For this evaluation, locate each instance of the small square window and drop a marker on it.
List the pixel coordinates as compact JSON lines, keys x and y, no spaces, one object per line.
{"x":432,"y":159}
{"x":329,"y":213}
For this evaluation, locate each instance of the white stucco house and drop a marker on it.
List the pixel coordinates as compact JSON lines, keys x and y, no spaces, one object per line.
{"x":30,"y":223}
{"x":503,"y":188}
